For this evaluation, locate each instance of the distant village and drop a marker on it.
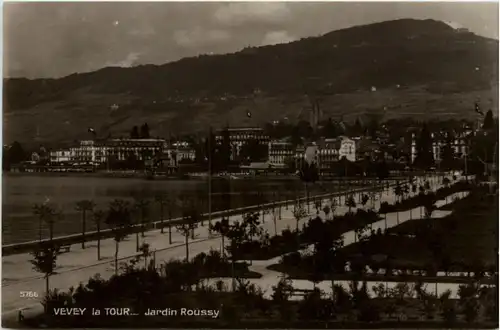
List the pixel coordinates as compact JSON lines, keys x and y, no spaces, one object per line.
{"x":255,"y":150}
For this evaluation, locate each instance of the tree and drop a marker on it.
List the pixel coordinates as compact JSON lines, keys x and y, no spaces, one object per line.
{"x":329,"y":129}
{"x":357,"y":129}
{"x":146,"y":252}
{"x":134,"y":134}
{"x":222,"y":227}
{"x":326,"y":210}
{"x":142,"y":206}
{"x":170,"y":205}
{"x":190,"y":218}
{"x":275,"y":213}
{"x":398,"y":191}
{"x":447,"y":153}
{"x":469,"y":301}
{"x":488,"y":122}
{"x":364,"y":199}
{"x":13,"y":154}
{"x":119,"y":219}
{"x":308,"y":174}
{"x":225,"y":150}
{"x":98,"y":216}
{"x":382,"y":170}
{"x":44,"y":261}
{"x":162,"y":201}
{"x":84,"y":206}
{"x":45,"y":213}
{"x":253,"y":151}
{"x":448,"y":308}
{"x":425,"y":156}
{"x":317,"y":205}
{"x":350,"y":203}
{"x":144,"y":134}
{"x":298,"y":213}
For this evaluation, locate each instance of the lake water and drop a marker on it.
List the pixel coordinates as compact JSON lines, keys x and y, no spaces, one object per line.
{"x":21,"y":192}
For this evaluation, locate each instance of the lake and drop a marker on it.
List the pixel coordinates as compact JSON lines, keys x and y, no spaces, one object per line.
{"x":21,"y":192}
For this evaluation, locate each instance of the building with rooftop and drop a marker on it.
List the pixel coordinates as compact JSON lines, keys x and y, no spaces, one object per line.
{"x":238,"y":136}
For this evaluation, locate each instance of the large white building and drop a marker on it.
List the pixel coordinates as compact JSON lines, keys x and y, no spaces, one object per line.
{"x":100,"y":151}
{"x":459,"y":145}
{"x":61,"y":156}
{"x":238,"y":136}
{"x":280,"y":152}
{"x":328,"y":152}
{"x":347,"y":149}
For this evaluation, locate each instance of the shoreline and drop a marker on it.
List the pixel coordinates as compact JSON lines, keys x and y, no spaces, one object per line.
{"x":186,"y":177}
{"x":16,"y":248}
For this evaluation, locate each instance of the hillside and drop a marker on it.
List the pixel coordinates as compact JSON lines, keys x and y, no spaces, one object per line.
{"x":418,"y":67}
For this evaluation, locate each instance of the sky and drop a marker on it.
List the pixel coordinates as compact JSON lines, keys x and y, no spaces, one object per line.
{"x":52,"y":40}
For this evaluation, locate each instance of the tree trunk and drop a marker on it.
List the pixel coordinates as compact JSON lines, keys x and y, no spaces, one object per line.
{"x":51,"y":231}
{"x":142,"y":225}
{"x":187,"y":247}
{"x":275,"y":227}
{"x":223,"y":247}
{"x":169,"y":227}
{"x":136,"y":240}
{"x":116,"y":257}
{"x":40,"y":228}
{"x":307,"y":198}
{"x":47,"y":288}
{"x":84,"y":215}
{"x":161,"y":218}
{"x":98,"y":241}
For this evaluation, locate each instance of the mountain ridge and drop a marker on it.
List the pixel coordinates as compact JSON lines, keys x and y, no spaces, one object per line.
{"x":411,"y":63}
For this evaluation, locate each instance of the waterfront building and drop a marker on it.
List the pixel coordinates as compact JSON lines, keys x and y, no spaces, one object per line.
{"x":61,"y":156}
{"x":299,"y":156}
{"x":347,"y":149}
{"x":459,"y":144}
{"x":280,"y":152}
{"x":99,"y":151}
{"x":238,"y":136}
{"x":141,"y":149}
{"x":328,"y":153}
{"x":179,"y":152}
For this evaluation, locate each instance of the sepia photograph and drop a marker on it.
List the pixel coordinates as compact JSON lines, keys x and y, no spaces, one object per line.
{"x":252,"y":165}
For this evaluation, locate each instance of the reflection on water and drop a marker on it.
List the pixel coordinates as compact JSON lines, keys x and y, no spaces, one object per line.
{"x":20,"y":193}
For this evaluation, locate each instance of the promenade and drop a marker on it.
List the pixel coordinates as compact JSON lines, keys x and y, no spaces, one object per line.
{"x":81,"y":264}
{"x":270,"y":277}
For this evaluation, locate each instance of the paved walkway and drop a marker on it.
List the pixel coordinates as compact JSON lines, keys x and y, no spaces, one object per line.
{"x":79,"y":265}
{"x":270,"y":277}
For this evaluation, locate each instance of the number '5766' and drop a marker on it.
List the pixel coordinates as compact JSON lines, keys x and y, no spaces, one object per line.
{"x":28,"y":294}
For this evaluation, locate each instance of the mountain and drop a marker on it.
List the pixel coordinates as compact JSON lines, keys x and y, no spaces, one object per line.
{"x":407,"y":67}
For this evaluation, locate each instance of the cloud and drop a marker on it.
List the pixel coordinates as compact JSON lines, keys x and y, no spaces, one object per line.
{"x":130,"y":61}
{"x":199,"y":37}
{"x":277,"y":37}
{"x":235,"y":14}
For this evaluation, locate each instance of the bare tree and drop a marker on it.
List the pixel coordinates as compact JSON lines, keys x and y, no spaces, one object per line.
{"x":299,"y":213}
{"x":45,"y":213}
{"x":98,"y":216}
{"x":84,"y":206}
{"x":119,"y":219}
{"x":190,"y":219}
